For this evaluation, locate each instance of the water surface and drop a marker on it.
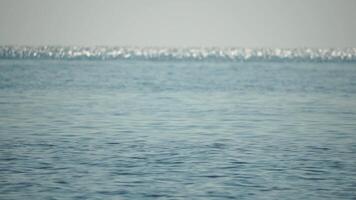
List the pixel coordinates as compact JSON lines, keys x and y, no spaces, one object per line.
{"x":129,"y":129}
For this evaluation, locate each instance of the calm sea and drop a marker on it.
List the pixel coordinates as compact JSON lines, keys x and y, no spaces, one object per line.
{"x":179,"y":129}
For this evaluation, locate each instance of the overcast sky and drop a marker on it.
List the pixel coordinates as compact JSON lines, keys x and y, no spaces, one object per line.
{"x":241,"y":23}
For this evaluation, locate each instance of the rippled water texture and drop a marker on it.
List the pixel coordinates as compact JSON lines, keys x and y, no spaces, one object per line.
{"x":127,"y":129}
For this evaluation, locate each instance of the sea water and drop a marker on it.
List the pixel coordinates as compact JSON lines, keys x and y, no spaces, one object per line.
{"x":177,"y":128}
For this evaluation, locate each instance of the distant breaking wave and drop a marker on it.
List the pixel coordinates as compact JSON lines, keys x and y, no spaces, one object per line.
{"x":160,"y":53}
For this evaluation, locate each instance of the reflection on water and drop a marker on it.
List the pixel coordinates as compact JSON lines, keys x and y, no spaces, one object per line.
{"x":177,"y":130}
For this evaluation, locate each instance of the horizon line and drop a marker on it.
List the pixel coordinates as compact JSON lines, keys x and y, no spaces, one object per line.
{"x":172,"y":46}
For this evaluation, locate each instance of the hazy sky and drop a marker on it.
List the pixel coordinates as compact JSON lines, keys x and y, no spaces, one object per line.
{"x":248,"y":23}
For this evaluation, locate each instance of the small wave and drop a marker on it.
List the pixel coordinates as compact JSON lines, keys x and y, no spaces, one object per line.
{"x":159,"y":53}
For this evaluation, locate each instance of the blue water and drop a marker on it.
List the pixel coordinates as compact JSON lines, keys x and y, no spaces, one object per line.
{"x":126,"y":129}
